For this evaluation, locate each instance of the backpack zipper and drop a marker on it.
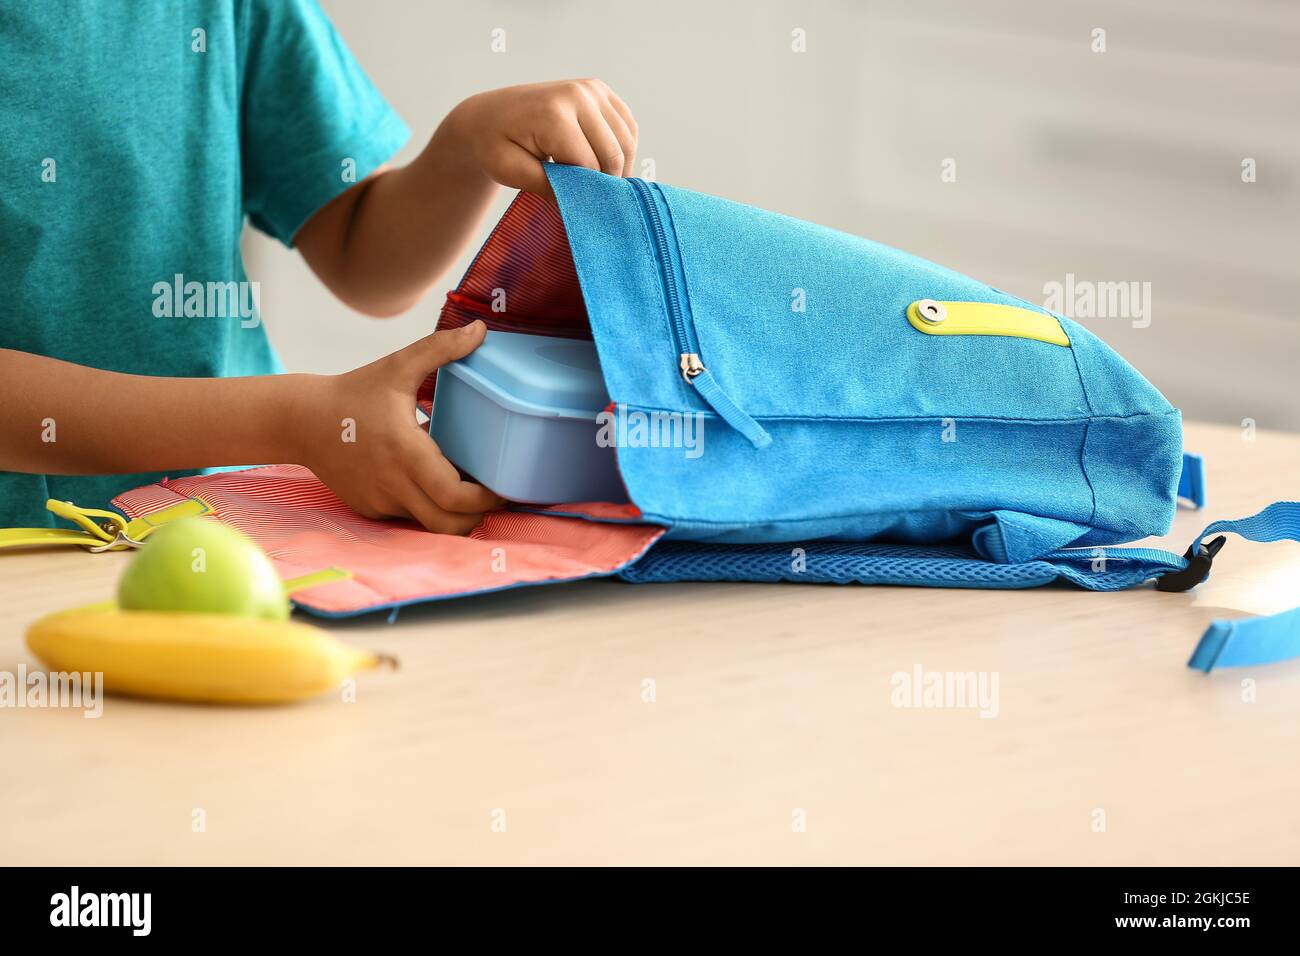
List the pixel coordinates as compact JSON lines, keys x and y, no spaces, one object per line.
{"x":692,"y":367}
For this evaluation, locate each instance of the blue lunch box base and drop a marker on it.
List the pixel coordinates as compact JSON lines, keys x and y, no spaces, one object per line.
{"x":519,"y":415}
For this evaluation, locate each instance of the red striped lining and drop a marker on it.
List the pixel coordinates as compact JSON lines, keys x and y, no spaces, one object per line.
{"x":527,"y":257}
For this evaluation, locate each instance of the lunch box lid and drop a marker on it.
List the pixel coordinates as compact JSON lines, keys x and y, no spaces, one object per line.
{"x":536,"y":374}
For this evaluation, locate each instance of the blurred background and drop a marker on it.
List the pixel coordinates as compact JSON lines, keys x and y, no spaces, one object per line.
{"x":1009,"y":140}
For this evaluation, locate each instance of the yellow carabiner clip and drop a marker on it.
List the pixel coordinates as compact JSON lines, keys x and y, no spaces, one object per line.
{"x":110,"y":528}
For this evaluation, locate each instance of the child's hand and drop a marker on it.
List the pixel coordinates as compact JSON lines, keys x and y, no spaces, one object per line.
{"x":381,"y":245}
{"x":509,"y":133}
{"x":359,"y":436}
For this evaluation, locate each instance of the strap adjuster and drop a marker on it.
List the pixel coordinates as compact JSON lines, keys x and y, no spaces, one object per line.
{"x":1197,"y":570}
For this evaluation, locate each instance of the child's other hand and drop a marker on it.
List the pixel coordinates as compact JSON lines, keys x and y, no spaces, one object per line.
{"x":359,"y":436}
{"x":509,"y":133}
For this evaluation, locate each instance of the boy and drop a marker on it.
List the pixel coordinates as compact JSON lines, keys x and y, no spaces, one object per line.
{"x":134,"y":138}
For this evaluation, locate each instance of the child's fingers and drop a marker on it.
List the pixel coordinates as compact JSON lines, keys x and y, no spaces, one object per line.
{"x":565,"y":140}
{"x":624,"y":111}
{"x":615,"y":102}
{"x":625,"y":138}
{"x":434,"y":518}
{"x":436,"y":350}
{"x":523,"y":169}
{"x":471,"y":497}
{"x":602,"y":139}
{"x":441,"y":482}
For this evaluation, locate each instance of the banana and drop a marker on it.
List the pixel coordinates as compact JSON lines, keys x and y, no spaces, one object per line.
{"x":216,"y":658}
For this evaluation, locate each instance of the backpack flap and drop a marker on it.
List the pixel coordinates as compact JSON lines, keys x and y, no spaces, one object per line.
{"x":837,"y":388}
{"x":386,"y":565}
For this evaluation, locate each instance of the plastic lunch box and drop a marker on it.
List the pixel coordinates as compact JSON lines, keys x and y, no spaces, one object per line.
{"x":519,"y":414}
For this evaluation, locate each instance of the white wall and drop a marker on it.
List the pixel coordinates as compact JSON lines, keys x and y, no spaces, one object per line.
{"x":1115,"y":166}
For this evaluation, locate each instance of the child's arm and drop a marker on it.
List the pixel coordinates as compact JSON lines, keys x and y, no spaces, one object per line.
{"x":356,"y":431}
{"x":381,"y":245}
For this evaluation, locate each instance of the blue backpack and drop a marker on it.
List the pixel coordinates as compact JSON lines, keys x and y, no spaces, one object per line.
{"x":788,"y":403}
{"x":905,"y":423}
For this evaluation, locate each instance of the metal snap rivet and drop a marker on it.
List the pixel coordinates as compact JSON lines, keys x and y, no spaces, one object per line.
{"x":931,"y":311}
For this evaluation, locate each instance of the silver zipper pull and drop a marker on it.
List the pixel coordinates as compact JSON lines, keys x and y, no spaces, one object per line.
{"x":691,"y":365}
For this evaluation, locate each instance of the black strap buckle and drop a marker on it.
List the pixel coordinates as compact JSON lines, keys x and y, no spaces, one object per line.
{"x":1197,"y":570}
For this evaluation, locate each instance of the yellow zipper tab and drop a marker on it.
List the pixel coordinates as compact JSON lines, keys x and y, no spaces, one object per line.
{"x":985,"y":318}
{"x":141,"y":527}
{"x":323,"y":576}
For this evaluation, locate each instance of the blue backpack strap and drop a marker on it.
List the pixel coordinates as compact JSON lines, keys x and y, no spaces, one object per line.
{"x":1191,"y":482}
{"x":1247,"y":641}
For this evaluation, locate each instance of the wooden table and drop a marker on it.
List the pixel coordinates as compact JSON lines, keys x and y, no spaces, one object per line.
{"x":518,"y":729}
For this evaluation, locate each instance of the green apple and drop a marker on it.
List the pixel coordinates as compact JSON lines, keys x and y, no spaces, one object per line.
{"x":202,"y":566}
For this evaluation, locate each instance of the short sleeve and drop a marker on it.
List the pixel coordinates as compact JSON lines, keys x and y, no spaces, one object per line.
{"x":312,"y":124}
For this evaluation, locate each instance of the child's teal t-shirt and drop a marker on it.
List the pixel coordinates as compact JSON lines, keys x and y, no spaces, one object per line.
{"x":134,"y":139}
